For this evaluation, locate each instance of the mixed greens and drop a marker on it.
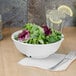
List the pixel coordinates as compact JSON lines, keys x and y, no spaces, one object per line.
{"x":35,"y":34}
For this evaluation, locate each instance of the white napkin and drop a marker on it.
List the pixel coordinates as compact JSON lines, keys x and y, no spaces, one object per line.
{"x":48,"y":62}
{"x":64,"y":65}
{"x":44,"y":63}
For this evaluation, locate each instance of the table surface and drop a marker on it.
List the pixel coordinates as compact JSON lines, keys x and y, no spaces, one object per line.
{"x":9,"y":56}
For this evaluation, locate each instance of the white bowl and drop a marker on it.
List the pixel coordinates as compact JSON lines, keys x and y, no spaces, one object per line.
{"x":36,"y":50}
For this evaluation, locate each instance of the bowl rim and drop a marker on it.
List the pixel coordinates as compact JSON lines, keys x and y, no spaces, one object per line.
{"x":16,"y":32}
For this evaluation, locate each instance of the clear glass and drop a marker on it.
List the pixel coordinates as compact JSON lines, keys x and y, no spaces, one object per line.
{"x":49,"y":7}
{"x":1,"y":28}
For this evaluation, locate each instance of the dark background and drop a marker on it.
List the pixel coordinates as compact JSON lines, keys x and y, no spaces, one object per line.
{"x":14,"y":12}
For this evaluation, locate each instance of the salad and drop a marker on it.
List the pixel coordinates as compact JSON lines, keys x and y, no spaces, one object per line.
{"x":35,"y":34}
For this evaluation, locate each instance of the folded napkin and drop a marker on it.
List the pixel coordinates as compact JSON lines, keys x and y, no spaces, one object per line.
{"x":64,"y":64}
{"x":48,"y":63}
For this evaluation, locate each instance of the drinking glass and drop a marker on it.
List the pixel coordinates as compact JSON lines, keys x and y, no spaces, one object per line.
{"x":52,"y":7}
{"x":1,"y":28}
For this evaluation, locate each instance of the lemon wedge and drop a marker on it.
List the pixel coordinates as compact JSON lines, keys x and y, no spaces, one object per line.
{"x":65,"y":10}
{"x":54,"y":16}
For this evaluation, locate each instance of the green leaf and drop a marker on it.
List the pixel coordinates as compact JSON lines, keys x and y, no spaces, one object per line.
{"x":41,"y":41}
{"x":37,"y":35}
{"x":16,"y":37}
